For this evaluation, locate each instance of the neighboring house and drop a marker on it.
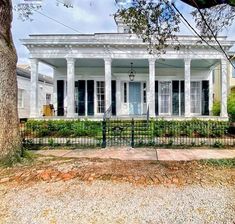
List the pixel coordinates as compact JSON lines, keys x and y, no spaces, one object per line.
{"x":217,"y":79}
{"x":92,"y":72}
{"x":45,"y":91}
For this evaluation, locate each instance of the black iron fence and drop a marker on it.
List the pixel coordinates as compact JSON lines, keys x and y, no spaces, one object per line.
{"x":134,"y":133}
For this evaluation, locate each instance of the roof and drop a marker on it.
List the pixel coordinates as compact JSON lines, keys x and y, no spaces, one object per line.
{"x":22,"y":72}
{"x":115,"y":39}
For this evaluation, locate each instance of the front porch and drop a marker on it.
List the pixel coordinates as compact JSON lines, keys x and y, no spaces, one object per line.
{"x":86,"y":87}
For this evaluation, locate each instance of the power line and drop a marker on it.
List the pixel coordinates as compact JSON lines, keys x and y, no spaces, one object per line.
{"x":181,"y":15}
{"x":213,"y":34}
{"x":57,"y":21}
{"x":77,"y":31}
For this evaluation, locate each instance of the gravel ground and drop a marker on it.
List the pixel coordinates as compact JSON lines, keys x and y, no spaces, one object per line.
{"x":106,"y":202}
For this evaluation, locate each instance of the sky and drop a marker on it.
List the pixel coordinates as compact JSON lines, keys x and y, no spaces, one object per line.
{"x":87,"y":16}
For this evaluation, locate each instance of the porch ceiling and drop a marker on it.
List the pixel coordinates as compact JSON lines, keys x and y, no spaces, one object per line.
{"x":125,"y":63}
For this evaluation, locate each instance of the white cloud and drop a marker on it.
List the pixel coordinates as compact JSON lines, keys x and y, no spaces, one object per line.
{"x":87,"y":16}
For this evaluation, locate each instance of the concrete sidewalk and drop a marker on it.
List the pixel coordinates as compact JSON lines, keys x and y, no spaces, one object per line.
{"x":142,"y":154}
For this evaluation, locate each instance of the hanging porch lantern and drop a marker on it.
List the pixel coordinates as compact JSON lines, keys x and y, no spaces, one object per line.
{"x":132,"y":73}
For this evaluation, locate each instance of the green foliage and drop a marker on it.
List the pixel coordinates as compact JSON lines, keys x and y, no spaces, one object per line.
{"x":218,"y":144}
{"x":224,"y":163}
{"x":63,"y":128}
{"x":21,"y":157}
{"x":231,"y":106}
{"x":216,"y":108}
{"x":192,"y":128}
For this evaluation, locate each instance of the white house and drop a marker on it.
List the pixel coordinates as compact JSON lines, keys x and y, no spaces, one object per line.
{"x":45,"y":92}
{"x":92,"y":74}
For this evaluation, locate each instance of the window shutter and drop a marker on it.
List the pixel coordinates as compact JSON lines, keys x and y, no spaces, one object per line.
{"x":81,"y":97}
{"x":205,"y":97}
{"x":156,"y":98}
{"x":175,"y":98}
{"x":113,"y":97}
{"x":90,"y":97}
{"x":182,"y":104}
{"x":60,"y":97}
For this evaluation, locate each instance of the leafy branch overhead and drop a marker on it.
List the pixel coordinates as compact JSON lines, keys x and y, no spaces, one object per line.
{"x":157,"y":21}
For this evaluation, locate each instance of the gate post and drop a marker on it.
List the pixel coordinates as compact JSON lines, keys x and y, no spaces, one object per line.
{"x":132,"y":133}
{"x":104,"y":133}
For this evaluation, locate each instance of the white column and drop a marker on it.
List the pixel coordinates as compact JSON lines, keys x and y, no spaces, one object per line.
{"x":108,"y":80}
{"x":34,"y":110}
{"x":211,"y":87}
{"x":70,"y":87}
{"x":151,"y":96}
{"x":54,"y":100}
{"x":187,"y":74}
{"x":224,"y":88}
{"x":118,"y":97}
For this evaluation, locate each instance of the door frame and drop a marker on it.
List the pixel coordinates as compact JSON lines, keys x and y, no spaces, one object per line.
{"x":141,"y":97}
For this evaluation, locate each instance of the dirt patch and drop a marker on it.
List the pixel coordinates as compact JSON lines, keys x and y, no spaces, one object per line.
{"x":135,"y":172}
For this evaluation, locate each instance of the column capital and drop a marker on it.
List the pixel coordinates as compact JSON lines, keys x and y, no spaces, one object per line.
{"x":70,"y":60}
{"x":107,"y":60}
{"x":223,"y":61}
{"x":187,"y":60}
{"x":34,"y":60}
{"x":152,"y":60}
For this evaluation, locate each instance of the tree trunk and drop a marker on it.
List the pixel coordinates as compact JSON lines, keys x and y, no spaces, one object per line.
{"x":10,"y":141}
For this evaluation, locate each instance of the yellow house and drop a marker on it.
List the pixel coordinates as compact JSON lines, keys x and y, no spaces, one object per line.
{"x":217,"y":80}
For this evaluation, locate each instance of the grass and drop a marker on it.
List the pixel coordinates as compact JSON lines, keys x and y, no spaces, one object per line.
{"x":222,"y":163}
{"x":25,"y":157}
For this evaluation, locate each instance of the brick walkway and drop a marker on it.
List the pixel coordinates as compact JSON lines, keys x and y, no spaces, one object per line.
{"x":143,"y":154}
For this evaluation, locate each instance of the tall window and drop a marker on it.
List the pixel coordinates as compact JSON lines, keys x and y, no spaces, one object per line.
{"x":100,"y":91}
{"x":195,"y":97}
{"x":48,"y":99}
{"x":20,"y":98}
{"x":165,"y":89}
{"x":144,"y":93}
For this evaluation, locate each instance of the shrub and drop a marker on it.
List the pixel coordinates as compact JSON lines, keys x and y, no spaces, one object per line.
{"x":216,"y":108}
{"x":231,"y":106}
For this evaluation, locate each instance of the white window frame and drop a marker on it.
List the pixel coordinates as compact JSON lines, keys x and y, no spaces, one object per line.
{"x":22,"y":100}
{"x":96,"y":95}
{"x":200,"y":97}
{"x":159,"y":98}
{"x":47,"y":94}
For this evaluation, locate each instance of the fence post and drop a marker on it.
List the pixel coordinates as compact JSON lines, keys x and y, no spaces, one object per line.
{"x":132,"y":133}
{"x":104,"y":133}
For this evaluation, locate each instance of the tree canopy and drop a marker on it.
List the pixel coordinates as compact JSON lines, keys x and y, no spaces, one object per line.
{"x":157,"y":21}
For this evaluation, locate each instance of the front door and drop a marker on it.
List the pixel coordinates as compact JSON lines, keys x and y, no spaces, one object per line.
{"x":134,"y":98}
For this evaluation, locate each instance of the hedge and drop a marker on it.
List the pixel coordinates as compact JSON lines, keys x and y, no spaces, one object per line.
{"x":157,"y":128}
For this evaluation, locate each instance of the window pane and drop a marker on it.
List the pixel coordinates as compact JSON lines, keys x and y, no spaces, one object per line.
{"x":20,"y":98}
{"x":100,"y":86}
{"x":195,"y":97}
{"x":165,"y":97}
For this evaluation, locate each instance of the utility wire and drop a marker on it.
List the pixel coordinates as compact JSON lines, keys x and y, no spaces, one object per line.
{"x":77,"y":31}
{"x":199,"y":10}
